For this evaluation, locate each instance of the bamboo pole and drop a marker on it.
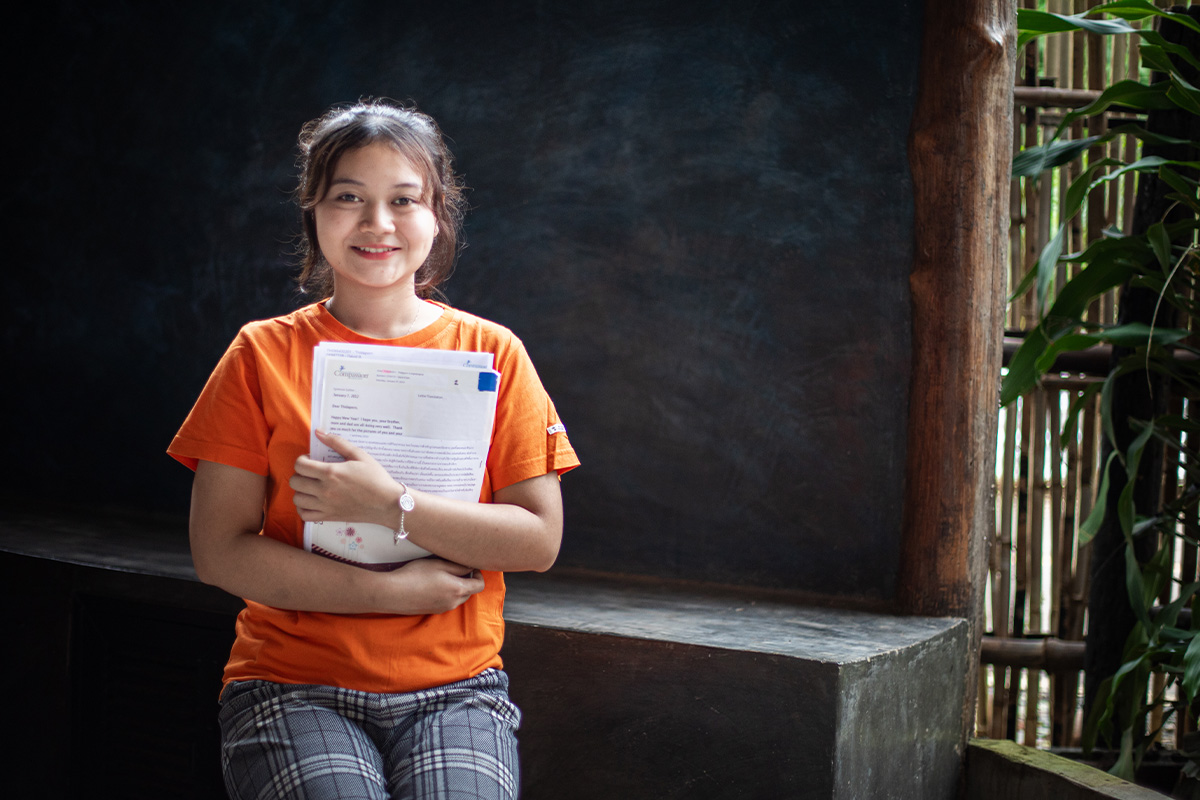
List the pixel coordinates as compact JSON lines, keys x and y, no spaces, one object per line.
{"x":1047,"y":653}
{"x":1021,"y":561}
{"x":1016,"y":225}
{"x":1130,"y":151}
{"x":1185,"y":723}
{"x":1033,"y":552}
{"x":1002,"y":585}
{"x":1064,"y":686}
{"x":1051,"y":73}
{"x":1026,"y":597}
{"x":1089,"y":474}
{"x":1059,"y":536}
{"x":1067,"y":48}
{"x":1033,"y":242}
{"x":1052,"y":96}
{"x":1114,"y":72}
{"x":1054,"y":463}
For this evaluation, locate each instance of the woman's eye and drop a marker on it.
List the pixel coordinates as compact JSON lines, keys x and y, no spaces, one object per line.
{"x":404,"y":201}
{"x":346,"y":198}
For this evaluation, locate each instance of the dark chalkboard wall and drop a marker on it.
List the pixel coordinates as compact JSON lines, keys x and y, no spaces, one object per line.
{"x":696,"y":214}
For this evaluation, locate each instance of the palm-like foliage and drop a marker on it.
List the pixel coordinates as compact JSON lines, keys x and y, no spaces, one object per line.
{"x":1163,"y":258}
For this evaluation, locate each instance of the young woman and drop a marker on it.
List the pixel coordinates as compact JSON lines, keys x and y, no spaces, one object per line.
{"x":345,"y":682}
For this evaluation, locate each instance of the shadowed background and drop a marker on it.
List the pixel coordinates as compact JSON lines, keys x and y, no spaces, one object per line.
{"x":697,"y":215}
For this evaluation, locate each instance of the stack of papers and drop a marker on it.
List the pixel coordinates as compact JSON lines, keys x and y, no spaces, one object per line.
{"x":425,"y":415}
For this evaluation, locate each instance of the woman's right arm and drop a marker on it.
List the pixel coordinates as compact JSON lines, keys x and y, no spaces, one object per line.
{"x":227,"y":550}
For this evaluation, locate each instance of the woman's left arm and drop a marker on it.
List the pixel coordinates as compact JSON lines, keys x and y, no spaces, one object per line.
{"x":520,"y":530}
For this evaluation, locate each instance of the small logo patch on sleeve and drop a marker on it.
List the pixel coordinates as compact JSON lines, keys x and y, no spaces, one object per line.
{"x":557,"y":427}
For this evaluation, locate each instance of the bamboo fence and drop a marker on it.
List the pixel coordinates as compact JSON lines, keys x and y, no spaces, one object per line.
{"x":1030,"y":686}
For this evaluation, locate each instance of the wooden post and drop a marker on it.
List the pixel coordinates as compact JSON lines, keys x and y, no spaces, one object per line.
{"x":960,"y":150}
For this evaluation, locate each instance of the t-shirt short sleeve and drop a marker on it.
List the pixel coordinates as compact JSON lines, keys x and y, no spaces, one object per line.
{"x":528,"y":439}
{"x":227,"y":425}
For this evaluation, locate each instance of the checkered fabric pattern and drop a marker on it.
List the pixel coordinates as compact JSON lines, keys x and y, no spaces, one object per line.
{"x":302,"y":741}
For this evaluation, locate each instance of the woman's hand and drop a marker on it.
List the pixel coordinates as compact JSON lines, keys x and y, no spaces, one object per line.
{"x":432,"y":585}
{"x":357,"y":489}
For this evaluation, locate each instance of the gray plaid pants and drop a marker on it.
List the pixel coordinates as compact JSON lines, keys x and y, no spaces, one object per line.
{"x":304,"y":741}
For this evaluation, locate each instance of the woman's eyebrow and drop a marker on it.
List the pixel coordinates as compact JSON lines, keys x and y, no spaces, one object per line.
{"x":354,"y":182}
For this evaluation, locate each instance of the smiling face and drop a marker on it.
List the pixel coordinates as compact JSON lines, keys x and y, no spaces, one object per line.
{"x":374,"y":224}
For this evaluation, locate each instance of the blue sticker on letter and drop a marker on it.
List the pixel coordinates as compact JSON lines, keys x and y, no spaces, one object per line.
{"x":488,"y":381}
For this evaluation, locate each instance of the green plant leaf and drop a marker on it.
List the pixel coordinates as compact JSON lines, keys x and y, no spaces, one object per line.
{"x":1108,"y":264}
{"x":1183,"y":94}
{"x":1176,"y":636}
{"x":1099,"y":716}
{"x":1022,"y":373}
{"x":1156,"y":58}
{"x":1091,"y":525}
{"x":1161,"y":244}
{"x":1024,"y":285}
{"x":1191,"y":669}
{"x":1113,"y":247}
{"x":1127,"y":94}
{"x":1132,"y":363}
{"x":1135,"y":334}
{"x":1038,"y":22}
{"x":1147,"y":260}
{"x":1184,"y":186}
{"x":1146,"y":524}
{"x":1176,"y":422}
{"x":1032,"y":23}
{"x":1121,"y":701}
{"x":1047,"y":266}
{"x":1106,"y":423}
{"x":1033,"y":161}
{"x":1133,"y":458}
{"x":1140,"y":9}
{"x":1083,"y":184}
{"x":1123,"y":768}
{"x":1136,"y":586}
{"x":1186,"y":199}
{"x":1128,"y":9}
{"x":1156,"y":574}
{"x":1142,"y":135}
{"x":1170,"y":613}
{"x":1153,"y":38}
{"x":1132,"y":334}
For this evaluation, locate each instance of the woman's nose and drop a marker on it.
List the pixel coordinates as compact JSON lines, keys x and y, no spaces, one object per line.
{"x":377,"y":217}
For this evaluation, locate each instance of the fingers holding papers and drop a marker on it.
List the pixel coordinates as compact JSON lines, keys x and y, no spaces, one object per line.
{"x":357,"y":488}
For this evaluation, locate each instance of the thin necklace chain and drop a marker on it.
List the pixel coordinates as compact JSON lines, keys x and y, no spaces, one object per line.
{"x":413,"y":325}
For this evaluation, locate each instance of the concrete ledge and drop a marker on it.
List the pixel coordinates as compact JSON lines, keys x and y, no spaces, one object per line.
{"x":666,"y":692}
{"x":628,"y":687}
{"x":999,"y":769}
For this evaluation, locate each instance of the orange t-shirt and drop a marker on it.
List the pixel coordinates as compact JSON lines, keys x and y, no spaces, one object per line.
{"x":254,"y":414}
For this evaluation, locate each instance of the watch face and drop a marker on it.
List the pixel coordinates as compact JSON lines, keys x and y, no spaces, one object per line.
{"x":406,"y":502}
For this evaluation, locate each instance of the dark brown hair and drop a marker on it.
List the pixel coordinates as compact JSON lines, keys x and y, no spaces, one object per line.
{"x":415,"y":136}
